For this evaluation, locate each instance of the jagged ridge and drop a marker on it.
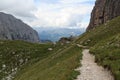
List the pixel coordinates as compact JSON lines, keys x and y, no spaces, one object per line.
{"x":14,"y":29}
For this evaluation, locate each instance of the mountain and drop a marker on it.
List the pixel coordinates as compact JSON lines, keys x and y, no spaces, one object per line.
{"x":14,"y":29}
{"x":54,"y":34}
{"x":30,"y":61}
{"x":104,"y":11}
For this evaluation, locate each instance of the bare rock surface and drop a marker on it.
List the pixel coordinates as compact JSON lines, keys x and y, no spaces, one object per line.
{"x":104,"y":11}
{"x":12,"y":28}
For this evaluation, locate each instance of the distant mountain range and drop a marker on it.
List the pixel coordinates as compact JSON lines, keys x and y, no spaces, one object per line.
{"x":54,"y":34}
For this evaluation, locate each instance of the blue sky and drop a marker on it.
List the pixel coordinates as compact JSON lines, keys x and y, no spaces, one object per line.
{"x":47,"y":1}
{"x":57,"y":1}
{"x":50,"y":13}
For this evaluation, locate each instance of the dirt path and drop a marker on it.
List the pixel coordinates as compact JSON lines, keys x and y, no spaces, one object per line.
{"x":90,"y":70}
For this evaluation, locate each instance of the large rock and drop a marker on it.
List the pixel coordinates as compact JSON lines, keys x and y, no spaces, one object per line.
{"x":104,"y":11}
{"x":14,"y":29}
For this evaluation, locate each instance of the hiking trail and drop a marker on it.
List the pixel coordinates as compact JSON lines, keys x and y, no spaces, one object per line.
{"x":90,"y":70}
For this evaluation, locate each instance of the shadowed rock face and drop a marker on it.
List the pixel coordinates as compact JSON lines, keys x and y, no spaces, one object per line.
{"x":14,"y":29}
{"x":104,"y":11}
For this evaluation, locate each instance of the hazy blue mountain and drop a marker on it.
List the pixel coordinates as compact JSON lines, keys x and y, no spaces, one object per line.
{"x":54,"y":34}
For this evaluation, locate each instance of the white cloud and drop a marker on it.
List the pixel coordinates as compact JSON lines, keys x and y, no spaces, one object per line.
{"x":20,"y":8}
{"x":63,"y":13}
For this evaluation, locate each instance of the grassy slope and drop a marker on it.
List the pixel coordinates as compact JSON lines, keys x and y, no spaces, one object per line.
{"x":105,"y":44}
{"x":35,"y":62}
{"x":15,"y":54}
{"x":58,"y":66}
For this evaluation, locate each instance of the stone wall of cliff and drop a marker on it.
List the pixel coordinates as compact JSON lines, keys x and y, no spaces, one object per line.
{"x":14,"y":29}
{"x":104,"y":11}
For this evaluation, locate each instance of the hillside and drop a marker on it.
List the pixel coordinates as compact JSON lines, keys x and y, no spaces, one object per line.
{"x":16,"y":54}
{"x":12,"y":28}
{"x":104,"y":43}
{"x":58,"y":66}
{"x":29,"y":61}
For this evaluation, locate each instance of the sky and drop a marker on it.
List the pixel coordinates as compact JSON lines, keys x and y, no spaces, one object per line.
{"x":50,"y":13}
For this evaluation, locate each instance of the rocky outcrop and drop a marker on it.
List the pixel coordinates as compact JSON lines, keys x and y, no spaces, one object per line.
{"x":14,"y":29}
{"x":104,"y":11}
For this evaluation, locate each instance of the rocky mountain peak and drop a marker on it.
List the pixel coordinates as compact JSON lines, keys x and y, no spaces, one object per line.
{"x":12,"y":28}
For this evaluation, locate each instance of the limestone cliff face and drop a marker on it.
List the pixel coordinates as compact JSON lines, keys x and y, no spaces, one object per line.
{"x":104,"y":11}
{"x":14,"y":29}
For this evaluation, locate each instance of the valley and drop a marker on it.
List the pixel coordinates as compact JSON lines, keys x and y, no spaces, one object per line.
{"x":70,"y":53}
{"x":54,"y":34}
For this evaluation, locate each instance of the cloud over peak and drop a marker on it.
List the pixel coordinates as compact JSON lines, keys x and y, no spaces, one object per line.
{"x":50,"y":13}
{"x":20,"y":8}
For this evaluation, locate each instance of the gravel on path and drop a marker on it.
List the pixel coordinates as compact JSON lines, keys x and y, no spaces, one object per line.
{"x":90,"y":70}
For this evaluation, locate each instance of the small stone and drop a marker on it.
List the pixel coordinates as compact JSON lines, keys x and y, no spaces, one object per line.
{"x":4,"y":66}
{"x":50,"y":49}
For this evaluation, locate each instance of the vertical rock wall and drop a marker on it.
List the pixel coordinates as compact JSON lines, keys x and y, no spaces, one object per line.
{"x":104,"y":11}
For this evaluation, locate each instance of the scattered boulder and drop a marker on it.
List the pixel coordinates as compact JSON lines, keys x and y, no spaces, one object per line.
{"x":50,"y":49}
